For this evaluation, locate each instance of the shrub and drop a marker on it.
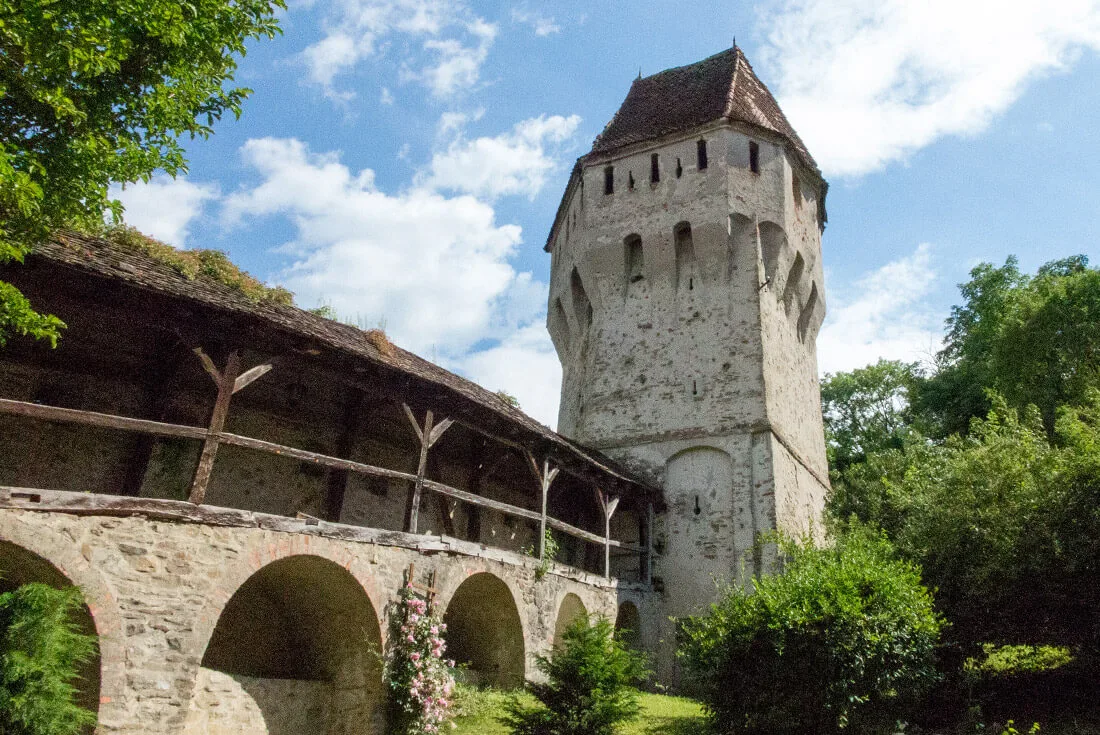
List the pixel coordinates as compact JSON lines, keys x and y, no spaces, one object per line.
{"x":588,"y":688}
{"x":41,"y":650}
{"x":843,"y":638}
{"x":419,"y":678}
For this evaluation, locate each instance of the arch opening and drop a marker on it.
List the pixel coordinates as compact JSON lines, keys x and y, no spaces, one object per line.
{"x":773,"y":243}
{"x":635,"y":260}
{"x":628,"y":626}
{"x":794,"y":278}
{"x":685,"y":257}
{"x":484,"y":633}
{"x":582,"y":307}
{"x":19,"y":566}
{"x":570,"y":609}
{"x":294,"y":651}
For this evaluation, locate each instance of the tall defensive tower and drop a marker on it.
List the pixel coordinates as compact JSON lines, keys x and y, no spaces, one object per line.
{"x":686,"y":296}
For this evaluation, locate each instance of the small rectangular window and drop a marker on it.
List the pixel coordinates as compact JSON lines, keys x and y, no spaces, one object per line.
{"x":701,"y":150}
{"x":754,"y":157}
{"x":609,"y":180}
{"x":679,"y":168}
{"x":630,"y":180}
{"x":654,"y":169}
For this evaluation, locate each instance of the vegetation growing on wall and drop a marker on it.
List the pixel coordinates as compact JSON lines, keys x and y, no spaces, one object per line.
{"x":41,"y":651}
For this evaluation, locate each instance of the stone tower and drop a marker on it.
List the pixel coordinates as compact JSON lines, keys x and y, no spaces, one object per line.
{"x":686,"y":296}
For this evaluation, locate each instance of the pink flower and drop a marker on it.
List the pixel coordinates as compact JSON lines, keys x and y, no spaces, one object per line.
{"x":415,"y":656}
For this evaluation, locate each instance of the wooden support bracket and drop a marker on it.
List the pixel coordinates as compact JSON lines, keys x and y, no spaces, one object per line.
{"x":428,"y":435}
{"x":225,"y":381}
{"x":545,"y":477}
{"x":608,"y":504}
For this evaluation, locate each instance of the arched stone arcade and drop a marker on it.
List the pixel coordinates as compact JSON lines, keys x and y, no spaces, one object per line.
{"x":293,"y":652}
{"x":484,"y":632}
{"x":570,"y":609}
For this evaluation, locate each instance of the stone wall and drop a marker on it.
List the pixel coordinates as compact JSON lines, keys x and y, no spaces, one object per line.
{"x":159,"y":593}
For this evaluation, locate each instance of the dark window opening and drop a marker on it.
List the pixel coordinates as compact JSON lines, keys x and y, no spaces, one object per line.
{"x":685,"y":257}
{"x":754,"y":157}
{"x":654,"y":169}
{"x":630,"y":179}
{"x":694,"y":388}
{"x":609,"y":180}
{"x":701,"y":151}
{"x":698,"y":510}
{"x":691,"y":283}
{"x":635,"y":259}
{"x":679,"y":168}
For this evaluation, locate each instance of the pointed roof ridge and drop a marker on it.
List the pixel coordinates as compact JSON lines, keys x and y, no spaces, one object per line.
{"x":721,"y":86}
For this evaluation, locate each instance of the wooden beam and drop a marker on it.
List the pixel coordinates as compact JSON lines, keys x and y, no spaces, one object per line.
{"x":208,"y":366}
{"x":647,"y":557}
{"x":102,"y":420}
{"x":608,"y":505}
{"x":227,"y":378}
{"x":246,"y":378}
{"x":337,"y":483}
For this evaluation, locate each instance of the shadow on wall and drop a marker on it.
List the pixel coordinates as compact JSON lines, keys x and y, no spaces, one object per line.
{"x":628,"y":626}
{"x":571,"y":609}
{"x":484,"y":633}
{"x":293,"y":653}
{"x":18,"y":567}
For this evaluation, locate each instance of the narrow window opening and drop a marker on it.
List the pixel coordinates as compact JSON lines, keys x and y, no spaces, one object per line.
{"x":635,"y":259}
{"x":685,"y":257}
{"x":754,"y":157}
{"x":694,"y":388}
{"x":698,"y":510}
{"x":654,"y":169}
{"x":796,"y":190}
{"x":701,"y":152}
{"x":630,"y":179}
{"x":679,"y":168}
{"x":609,"y":180}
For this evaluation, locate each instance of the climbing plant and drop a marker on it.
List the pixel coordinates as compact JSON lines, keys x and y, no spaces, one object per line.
{"x":420,"y":680}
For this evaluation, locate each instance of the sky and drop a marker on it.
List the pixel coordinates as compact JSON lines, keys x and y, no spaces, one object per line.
{"x":401,"y":161}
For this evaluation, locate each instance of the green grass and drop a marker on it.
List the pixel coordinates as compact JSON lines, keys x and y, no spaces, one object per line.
{"x":478,"y":710}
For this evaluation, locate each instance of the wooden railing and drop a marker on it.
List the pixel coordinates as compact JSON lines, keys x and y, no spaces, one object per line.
{"x":230,"y":380}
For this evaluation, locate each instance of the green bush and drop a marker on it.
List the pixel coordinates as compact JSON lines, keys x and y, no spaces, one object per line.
{"x":843,"y":639}
{"x":41,"y":651}
{"x":588,"y":690}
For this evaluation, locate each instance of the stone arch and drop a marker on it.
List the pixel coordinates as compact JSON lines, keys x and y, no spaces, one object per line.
{"x":485,"y":633}
{"x":794,"y":279}
{"x":293,"y":651}
{"x":582,"y":306}
{"x":19,"y":566}
{"x":773,"y":247}
{"x":62,"y":556}
{"x":628,"y":625}
{"x":570,"y":609}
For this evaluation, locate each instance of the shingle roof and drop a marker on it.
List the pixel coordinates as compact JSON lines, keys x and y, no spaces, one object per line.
{"x":105,"y":259}
{"x":722,"y":86}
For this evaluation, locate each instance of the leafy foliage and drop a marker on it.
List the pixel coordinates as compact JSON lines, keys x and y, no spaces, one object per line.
{"x":550,"y":552}
{"x":588,"y":687}
{"x":95,"y":91}
{"x":843,"y":638}
{"x":41,"y":650}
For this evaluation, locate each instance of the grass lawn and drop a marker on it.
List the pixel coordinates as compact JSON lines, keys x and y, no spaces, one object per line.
{"x":661,"y":714}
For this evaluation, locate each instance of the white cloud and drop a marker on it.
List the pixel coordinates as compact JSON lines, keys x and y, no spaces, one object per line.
{"x":164,"y":207}
{"x":434,"y":268}
{"x":455,"y":41}
{"x":542,"y":25}
{"x":516,"y":162}
{"x":867,"y":82}
{"x":526,"y":366}
{"x":387,"y":96}
{"x":882,"y":315}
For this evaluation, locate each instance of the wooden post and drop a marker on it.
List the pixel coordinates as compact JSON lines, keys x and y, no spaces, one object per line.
{"x":428,"y":435}
{"x":545,"y":477}
{"x":225,"y":380}
{"x":648,"y":571}
{"x":608,"y":505}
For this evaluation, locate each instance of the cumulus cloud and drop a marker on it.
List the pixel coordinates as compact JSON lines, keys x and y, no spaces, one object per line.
{"x":867,"y":82}
{"x":541,"y":24}
{"x":882,"y":315}
{"x":164,"y":207}
{"x":515,"y":162}
{"x":435,"y":269}
{"x":452,"y":42}
{"x":525,"y":365}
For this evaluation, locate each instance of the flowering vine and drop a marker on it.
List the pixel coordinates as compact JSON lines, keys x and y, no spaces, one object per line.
{"x":419,"y":678}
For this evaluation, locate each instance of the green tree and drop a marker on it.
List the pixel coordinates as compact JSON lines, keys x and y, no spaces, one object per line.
{"x":41,"y":650}
{"x":588,"y":688}
{"x":843,"y":639}
{"x":95,"y":91}
{"x":866,"y":410}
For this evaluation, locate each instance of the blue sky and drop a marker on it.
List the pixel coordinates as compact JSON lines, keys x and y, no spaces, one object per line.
{"x":401,"y":160}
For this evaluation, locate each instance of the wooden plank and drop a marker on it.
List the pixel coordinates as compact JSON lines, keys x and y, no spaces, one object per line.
{"x":413,"y":421}
{"x":208,"y":366}
{"x":318,"y":459}
{"x":437,"y":432}
{"x":217,"y":422}
{"x":102,"y":420}
{"x":421,"y":469}
{"x":248,"y":377}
